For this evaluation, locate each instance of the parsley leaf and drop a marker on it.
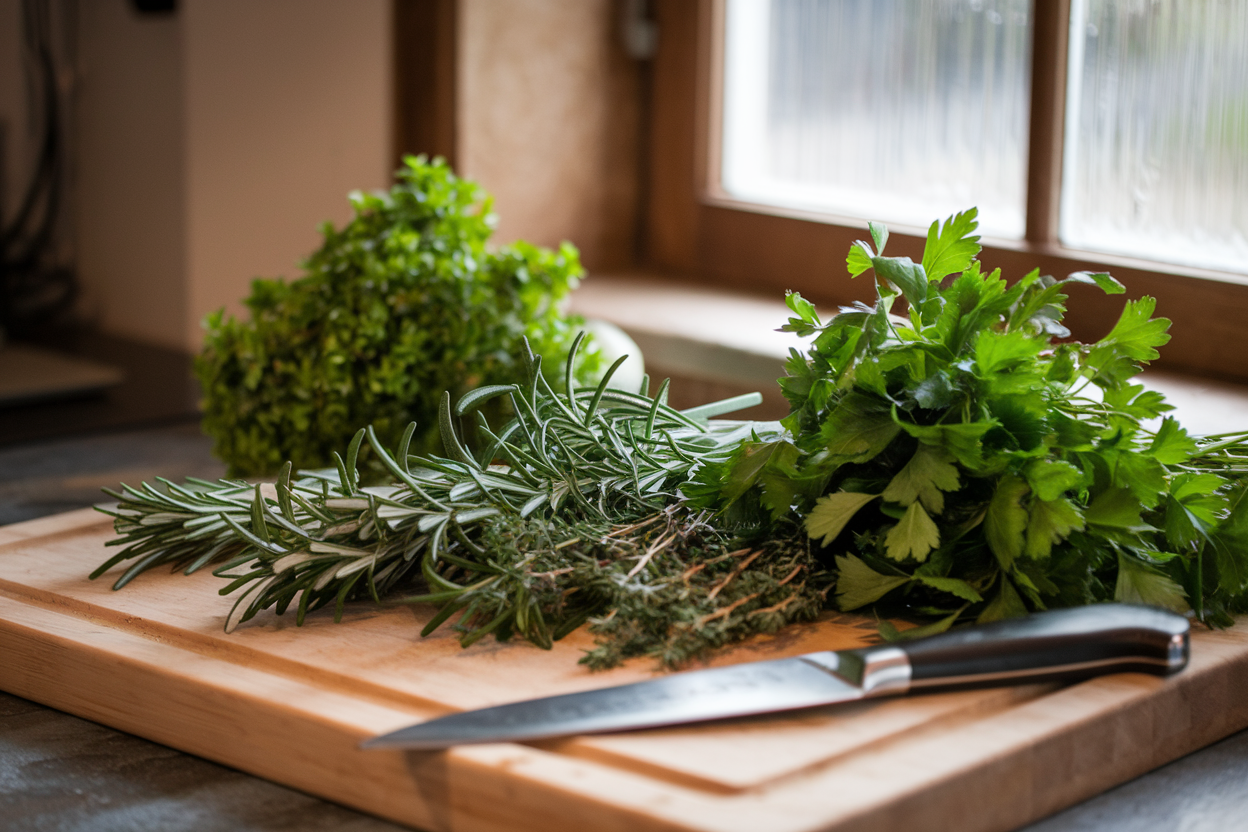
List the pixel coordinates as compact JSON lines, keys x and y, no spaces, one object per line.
{"x":1107,"y":283}
{"x":1050,"y":522}
{"x":1005,"y":604}
{"x":1142,"y":583}
{"x":950,"y":249}
{"x":858,"y":428}
{"x":961,"y":439}
{"x":1171,"y":445}
{"x":1116,"y":508}
{"x":1134,"y":339}
{"x":906,"y":275}
{"x":1006,"y":520}
{"x":928,"y":473}
{"x":954,"y":586}
{"x":914,"y":535}
{"x":1050,"y":478}
{"x":859,"y":259}
{"x":832,"y":511}
{"x":858,"y":584}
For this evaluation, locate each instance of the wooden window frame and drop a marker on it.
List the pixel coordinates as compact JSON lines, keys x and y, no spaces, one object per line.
{"x":697,"y":231}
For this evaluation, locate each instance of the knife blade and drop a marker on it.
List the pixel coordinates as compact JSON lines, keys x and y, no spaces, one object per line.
{"x":1065,"y":645}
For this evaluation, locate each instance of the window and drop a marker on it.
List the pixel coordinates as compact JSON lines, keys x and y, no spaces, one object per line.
{"x":898,"y":111}
{"x":904,"y":110}
{"x":1156,"y":149}
{"x":1069,"y":135}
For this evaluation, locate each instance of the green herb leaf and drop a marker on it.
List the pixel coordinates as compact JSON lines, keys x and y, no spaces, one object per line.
{"x":807,"y":320}
{"x":1134,"y":339}
{"x":1230,"y":543}
{"x":892,"y":635}
{"x":914,"y":535}
{"x":1115,"y":508}
{"x":1006,"y":520}
{"x":1172,"y":445}
{"x":906,"y":275}
{"x":928,"y":473}
{"x":858,"y":428}
{"x":1049,"y":522}
{"x":1107,"y":283}
{"x":858,"y":584}
{"x":963,"y":440}
{"x":1005,"y":604}
{"x":1051,"y":478}
{"x":954,"y":586}
{"x":859,"y":259}
{"x":879,"y":233}
{"x":952,"y":248}
{"x":1141,"y":583}
{"x":832,"y":511}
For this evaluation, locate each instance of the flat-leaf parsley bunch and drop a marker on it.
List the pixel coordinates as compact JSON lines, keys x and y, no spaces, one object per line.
{"x":966,"y":461}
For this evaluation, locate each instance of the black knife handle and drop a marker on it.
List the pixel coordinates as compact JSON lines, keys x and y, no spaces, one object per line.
{"x":1066,"y":644}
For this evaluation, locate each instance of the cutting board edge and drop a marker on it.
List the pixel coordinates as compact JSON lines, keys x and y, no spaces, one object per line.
{"x":115,"y":689}
{"x":37,"y":645}
{"x":1019,"y":795}
{"x":466,"y":804}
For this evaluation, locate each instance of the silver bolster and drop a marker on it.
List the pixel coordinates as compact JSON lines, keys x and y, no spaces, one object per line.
{"x":876,"y":671}
{"x":1178,"y":653}
{"x":885,"y":672}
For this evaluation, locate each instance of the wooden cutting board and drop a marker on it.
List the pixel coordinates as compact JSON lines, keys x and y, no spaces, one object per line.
{"x":291,"y":704}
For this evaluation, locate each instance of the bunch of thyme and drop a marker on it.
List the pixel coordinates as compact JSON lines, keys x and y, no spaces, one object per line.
{"x":570,"y":513}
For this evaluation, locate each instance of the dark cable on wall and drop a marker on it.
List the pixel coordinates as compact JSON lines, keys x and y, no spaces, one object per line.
{"x":36,"y":289}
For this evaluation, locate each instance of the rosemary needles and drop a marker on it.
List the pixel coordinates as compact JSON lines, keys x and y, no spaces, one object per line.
{"x":570,"y":513}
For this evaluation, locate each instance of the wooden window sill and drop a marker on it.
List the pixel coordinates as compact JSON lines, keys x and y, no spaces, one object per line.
{"x":714,"y":343}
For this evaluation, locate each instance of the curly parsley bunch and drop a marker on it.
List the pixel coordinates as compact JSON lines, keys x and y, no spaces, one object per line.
{"x":401,"y":304}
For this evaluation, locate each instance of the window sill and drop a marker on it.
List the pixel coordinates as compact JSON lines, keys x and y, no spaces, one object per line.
{"x":718,"y":342}
{"x":711,"y":342}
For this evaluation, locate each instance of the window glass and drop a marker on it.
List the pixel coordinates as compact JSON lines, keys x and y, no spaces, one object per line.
{"x":1156,"y":152}
{"x":896,"y":110}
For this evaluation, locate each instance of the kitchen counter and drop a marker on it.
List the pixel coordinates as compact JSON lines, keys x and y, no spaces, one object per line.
{"x":58,"y":772}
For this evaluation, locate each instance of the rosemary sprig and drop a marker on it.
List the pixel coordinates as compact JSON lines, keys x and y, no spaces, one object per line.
{"x":570,"y":513}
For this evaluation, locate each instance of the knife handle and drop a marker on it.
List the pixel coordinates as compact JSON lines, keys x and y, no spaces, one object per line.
{"x":1063,"y":645}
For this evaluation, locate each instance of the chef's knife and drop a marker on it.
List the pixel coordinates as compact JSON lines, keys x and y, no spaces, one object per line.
{"x":1064,"y":645}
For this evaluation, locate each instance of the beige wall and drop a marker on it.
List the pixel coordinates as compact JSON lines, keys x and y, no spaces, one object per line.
{"x":214,"y":142}
{"x":547,"y":121}
{"x":129,"y":173}
{"x":288,"y":108}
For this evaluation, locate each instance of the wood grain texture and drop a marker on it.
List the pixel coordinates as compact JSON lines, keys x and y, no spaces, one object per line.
{"x":425,"y":39}
{"x":1050,"y":32}
{"x":292,"y":704}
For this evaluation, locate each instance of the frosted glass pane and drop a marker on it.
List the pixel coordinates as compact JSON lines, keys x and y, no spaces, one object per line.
{"x":896,"y":110}
{"x":1157,"y":131}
